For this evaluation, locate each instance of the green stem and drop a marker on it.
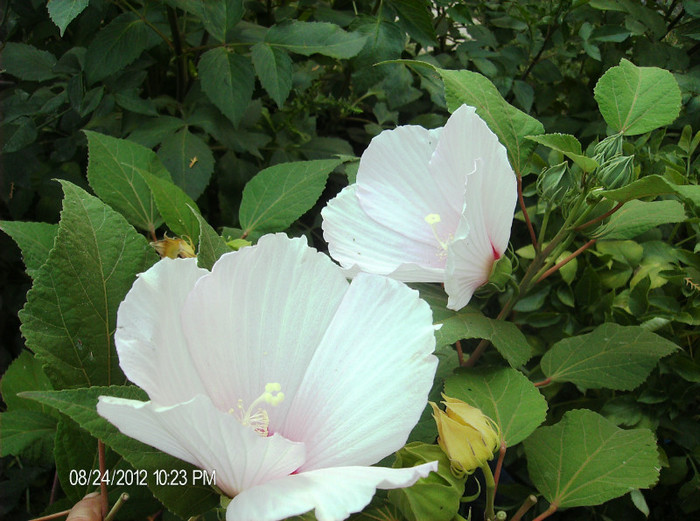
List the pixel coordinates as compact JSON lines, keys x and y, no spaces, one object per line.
{"x":117,"y":506}
{"x":538,"y":263}
{"x":529,"y":502}
{"x":490,"y":492}
{"x":138,"y":13}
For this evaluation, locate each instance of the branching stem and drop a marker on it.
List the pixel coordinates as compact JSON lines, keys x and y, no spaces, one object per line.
{"x":566,"y":260}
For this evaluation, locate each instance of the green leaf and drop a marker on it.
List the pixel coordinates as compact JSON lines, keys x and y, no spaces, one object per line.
{"x":63,"y":12}
{"x":189,"y":160}
{"x":228,"y":80}
{"x":586,"y":460}
{"x":274,"y":69}
{"x":435,"y":497}
{"x":34,"y":239}
{"x":652,"y":185}
{"x":175,"y":206}
{"x":220,"y":17}
{"x":28,"y":434}
{"x":277,"y":196}
{"x":80,"y":405}
{"x":70,"y":314}
{"x":508,"y":123}
{"x":505,"y":336}
{"x":24,"y":374}
{"x":27,"y":62}
{"x":611,"y":357}
{"x":634,"y":100}
{"x":569,"y":146}
{"x":416,"y":17}
{"x":153,"y":131}
{"x":637,"y":217}
{"x":385,"y":41}
{"x":113,"y":172}
{"x":18,"y":134}
{"x":211,"y":244}
{"x":503,"y":394}
{"x":117,"y":45}
{"x":309,"y":38}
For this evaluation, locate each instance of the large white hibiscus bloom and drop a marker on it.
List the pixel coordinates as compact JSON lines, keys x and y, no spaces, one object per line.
{"x":278,"y":374}
{"x":428,"y":206}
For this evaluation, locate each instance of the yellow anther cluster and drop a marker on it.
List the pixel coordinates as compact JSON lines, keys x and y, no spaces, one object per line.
{"x":257,"y":417}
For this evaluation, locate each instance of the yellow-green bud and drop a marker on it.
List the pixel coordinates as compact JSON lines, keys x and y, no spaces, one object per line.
{"x":467,"y":435}
{"x":616,"y":172}
{"x":554,"y":182}
{"x":610,"y":147}
{"x":501,"y":272}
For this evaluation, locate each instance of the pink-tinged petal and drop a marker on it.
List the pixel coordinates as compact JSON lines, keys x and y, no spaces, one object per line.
{"x":396,"y":188}
{"x":490,"y":196}
{"x":355,"y":239}
{"x":488,"y":215}
{"x":368,"y":383}
{"x":152,"y":349}
{"x":333,"y":493}
{"x":197,"y":432}
{"x":257,"y":319}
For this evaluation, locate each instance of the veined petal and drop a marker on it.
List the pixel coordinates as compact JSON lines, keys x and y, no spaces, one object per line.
{"x":257,"y":318}
{"x":490,"y":195}
{"x":396,"y":188}
{"x":368,"y":383}
{"x":355,"y":239}
{"x":197,"y":432}
{"x":465,"y":141}
{"x":151,"y":345}
{"x":334,"y":493}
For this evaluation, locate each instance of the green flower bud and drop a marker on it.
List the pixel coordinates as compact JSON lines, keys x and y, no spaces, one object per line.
{"x":616,"y":172}
{"x":442,"y":488}
{"x":610,"y":147}
{"x":554,"y":183}
{"x":501,"y":272}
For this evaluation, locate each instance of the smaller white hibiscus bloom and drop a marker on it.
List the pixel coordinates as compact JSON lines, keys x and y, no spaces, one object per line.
{"x":428,"y":206}
{"x":277,"y":374}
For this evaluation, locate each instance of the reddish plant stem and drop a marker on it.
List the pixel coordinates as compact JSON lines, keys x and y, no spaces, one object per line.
{"x":525,"y":214}
{"x":566,"y":260}
{"x":529,"y":502}
{"x":599,"y":218}
{"x":499,"y":463}
{"x":52,"y":498}
{"x":52,"y":516}
{"x":544,"y":382}
{"x":552,"y":508}
{"x":460,"y":354}
{"x":103,"y":484}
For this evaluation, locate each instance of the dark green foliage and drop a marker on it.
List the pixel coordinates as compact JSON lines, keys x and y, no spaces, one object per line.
{"x":222,"y":120}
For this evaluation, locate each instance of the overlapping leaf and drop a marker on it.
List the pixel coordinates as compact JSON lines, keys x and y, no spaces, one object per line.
{"x":277,"y":196}
{"x":587,"y":460}
{"x":80,"y":405}
{"x":503,"y":394}
{"x":70,"y":313}
{"x":612,"y":357}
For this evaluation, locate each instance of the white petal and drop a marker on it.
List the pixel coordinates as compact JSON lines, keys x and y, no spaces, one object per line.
{"x":396,"y":188}
{"x":355,"y":239}
{"x":368,"y":382}
{"x":258,"y":317}
{"x":490,"y":198}
{"x":334,"y":493}
{"x":152,"y":349}
{"x":197,"y":432}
